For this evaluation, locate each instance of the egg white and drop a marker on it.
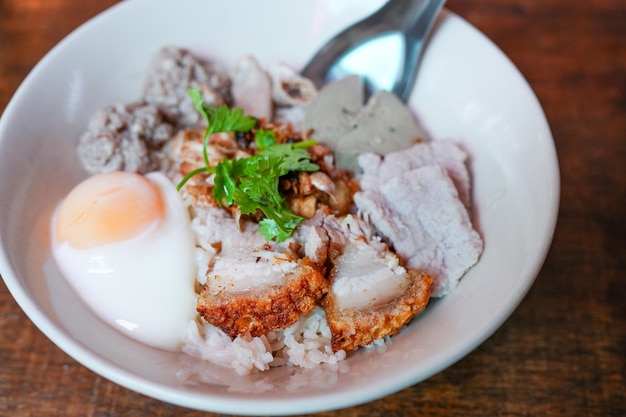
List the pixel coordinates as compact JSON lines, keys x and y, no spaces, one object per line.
{"x":143,"y":286}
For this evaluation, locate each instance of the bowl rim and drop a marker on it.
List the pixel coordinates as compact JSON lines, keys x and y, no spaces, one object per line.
{"x":255,"y":406}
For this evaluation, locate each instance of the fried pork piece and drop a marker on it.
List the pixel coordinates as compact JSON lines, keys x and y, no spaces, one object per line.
{"x":371,"y":295}
{"x":185,"y":155}
{"x":322,"y":239}
{"x":253,"y":286}
{"x":362,"y":324}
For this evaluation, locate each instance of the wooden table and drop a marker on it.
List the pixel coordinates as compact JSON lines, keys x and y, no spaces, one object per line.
{"x":563,"y":351}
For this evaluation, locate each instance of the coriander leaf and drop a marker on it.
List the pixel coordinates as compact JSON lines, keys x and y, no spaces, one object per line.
{"x":252,"y":183}
{"x":189,"y":176}
{"x":271,"y":230}
{"x":220,"y":119}
{"x":304,"y":144}
{"x":293,"y":159}
{"x":279,"y":225}
{"x":226,"y":174}
{"x":279,"y":222}
{"x":225,"y":183}
{"x":265,"y":138}
{"x":260,"y":180}
{"x":231,"y":120}
{"x":246,"y":204}
{"x":198,"y":103}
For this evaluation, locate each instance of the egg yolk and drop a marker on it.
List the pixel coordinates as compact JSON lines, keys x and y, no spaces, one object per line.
{"x":108,"y":208}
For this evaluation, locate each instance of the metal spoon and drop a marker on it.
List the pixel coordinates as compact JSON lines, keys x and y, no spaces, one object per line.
{"x":384,"y":48}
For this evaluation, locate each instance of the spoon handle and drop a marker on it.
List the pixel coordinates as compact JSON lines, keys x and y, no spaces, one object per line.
{"x":415,"y":27}
{"x":397,"y":14}
{"x":394,"y":15}
{"x":413,"y":19}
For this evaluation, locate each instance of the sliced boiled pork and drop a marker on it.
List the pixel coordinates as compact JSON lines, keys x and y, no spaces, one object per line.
{"x":418,"y":202}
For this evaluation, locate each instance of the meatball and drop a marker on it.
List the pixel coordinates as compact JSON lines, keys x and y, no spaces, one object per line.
{"x":124,"y":138}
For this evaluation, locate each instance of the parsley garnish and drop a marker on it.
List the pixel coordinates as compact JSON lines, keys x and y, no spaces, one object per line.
{"x":219,"y":119}
{"x":252,"y":183}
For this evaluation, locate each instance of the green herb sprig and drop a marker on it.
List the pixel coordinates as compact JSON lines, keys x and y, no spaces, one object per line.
{"x":219,"y":120}
{"x":252,"y":183}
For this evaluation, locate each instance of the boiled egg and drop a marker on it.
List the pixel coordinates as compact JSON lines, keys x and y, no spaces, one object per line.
{"x":124,"y":243}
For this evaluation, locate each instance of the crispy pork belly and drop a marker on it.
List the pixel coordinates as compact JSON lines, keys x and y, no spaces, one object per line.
{"x":378,"y":170}
{"x":361,"y":326}
{"x":185,"y":155}
{"x":322,"y":238}
{"x":422,"y":218}
{"x":262,"y":308}
{"x":253,"y":286}
{"x":371,"y":295}
{"x":187,"y":147}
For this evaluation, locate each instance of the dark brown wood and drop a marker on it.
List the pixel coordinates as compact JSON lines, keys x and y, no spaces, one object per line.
{"x":562,"y":353}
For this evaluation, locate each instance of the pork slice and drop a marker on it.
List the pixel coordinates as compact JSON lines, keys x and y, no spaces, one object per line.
{"x":252,"y":88}
{"x":322,"y":239}
{"x":378,"y":170}
{"x":250,"y":285}
{"x":421,"y":216}
{"x":257,"y":292}
{"x":371,"y":295}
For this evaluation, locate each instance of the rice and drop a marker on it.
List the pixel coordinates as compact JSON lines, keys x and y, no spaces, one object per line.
{"x":305,"y":344}
{"x":244,"y":354}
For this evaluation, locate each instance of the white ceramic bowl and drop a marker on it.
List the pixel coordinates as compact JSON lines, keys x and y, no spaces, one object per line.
{"x":467,"y":91}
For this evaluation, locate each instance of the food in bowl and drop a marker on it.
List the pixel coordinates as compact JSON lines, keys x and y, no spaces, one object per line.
{"x":308,"y":242}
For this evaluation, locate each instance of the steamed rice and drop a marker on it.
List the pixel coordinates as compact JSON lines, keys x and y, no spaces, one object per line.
{"x":306,"y":344}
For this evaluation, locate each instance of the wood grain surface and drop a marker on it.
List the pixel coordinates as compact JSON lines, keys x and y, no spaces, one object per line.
{"x":562,"y":352}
